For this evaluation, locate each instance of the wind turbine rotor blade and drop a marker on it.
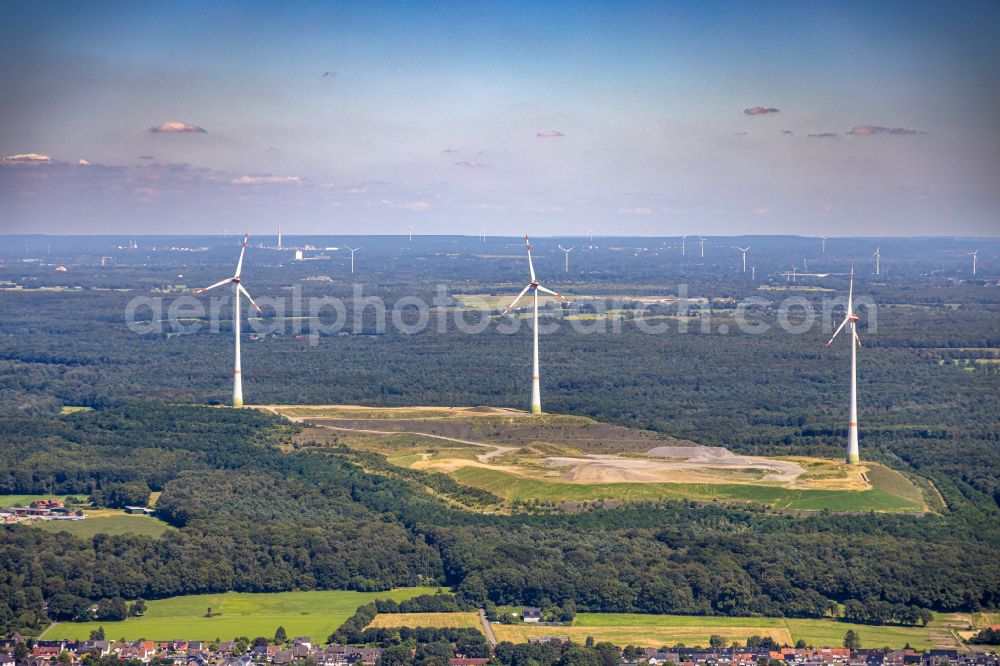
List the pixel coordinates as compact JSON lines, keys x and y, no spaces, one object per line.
{"x":531,"y":266}
{"x":549,"y":291}
{"x":837,"y":332}
{"x":239,"y":264}
{"x":857,"y":339}
{"x":217,"y":284}
{"x":514,"y":302}
{"x":243,"y":291}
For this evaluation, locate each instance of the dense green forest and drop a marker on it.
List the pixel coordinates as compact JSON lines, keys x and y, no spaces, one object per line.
{"x":255,"y":515}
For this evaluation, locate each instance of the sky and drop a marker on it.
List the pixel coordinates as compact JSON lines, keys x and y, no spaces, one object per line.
{"x":557,"y":118}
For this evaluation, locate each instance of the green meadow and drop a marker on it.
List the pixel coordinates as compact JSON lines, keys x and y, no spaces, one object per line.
{"x":315,"y":614}
{"x":24,"y":500}
{"x":119,"y":523}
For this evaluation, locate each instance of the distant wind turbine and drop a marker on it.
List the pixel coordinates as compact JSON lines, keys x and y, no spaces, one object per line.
{"x":702,"y":241}
{"x":853,"y":458}
{"x":238,"y":290}
{"x":973,"y":255}
{"x":878,"y":261}
{"x":823,"y":240}
{"x":753,"y":273}
{"x":534,"y":287}
{"x":567,"y":251}
{"x":744,"y":250}
{"x":410,"y":227}
{"x":352,"y":250}
{"x":683,"y":249}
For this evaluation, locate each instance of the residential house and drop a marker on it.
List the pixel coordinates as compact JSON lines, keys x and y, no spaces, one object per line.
{"x":6,"y":659}
{"x":530,"y":614}
{"x":467,"y":661}
{"x":282,"y":657}
{"x":370,"y":655}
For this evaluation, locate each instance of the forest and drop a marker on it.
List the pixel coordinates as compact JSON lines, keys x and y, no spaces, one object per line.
{"x":254,"y":514}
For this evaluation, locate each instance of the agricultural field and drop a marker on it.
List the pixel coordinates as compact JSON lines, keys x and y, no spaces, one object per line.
{"x":436,"y":620}
{"x":557,"y":458}
{"x":314,"y":613}
{"x":657,"y":630}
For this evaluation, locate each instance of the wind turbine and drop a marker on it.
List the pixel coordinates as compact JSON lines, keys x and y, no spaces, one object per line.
{"x":352,"y":250}
{"x":534,"y":287}
{"x":702,"y":241}
{"x":279,"y":236}
{"x":567,"y":251}
{"x":410,"y":227}
{"x":878,"y":258}
{"x":853,"y":458}
{"x":591,"y":236}
{"x":683,"y":249}
{"x":823,"y":240}
{"x":744,"y":250}
{"x":973,"y":255}
{"x":238,"y":289}
{"x":753,"y":273}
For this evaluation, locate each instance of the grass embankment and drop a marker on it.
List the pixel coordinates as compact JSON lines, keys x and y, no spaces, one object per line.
{"x":512,"y":486}
{"x":315,"y":614}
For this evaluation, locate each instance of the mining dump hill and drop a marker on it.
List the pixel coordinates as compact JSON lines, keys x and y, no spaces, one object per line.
{"x":582,"y":434}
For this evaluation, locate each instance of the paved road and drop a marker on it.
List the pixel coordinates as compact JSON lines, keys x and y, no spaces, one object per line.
{"x":487,"y":628}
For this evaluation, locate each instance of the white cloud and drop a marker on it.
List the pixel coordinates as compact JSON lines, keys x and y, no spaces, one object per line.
{"x":635,"y":211}
{"x":413,"y":205}
{"x":266,"y":180}
{"x":549,"y":134}
{"x":177,"y":127}
{"x":27,"y":158}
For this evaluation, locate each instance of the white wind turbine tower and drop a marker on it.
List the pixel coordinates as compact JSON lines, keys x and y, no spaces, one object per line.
{"x":823,"y":241}
{"x":410,"y":227}
{"x":853,"y":457}
{"x":534,"y":287}
{"x":702,"y":241}
{"x":973,"y":255}
{"x":352,"y":251}
{"x":567,"y":251}
{"x":878,"y":261}
{"x":744,"y":250}
{"x":238,"y":289}
{"x":279,"y":236}
{"x":683,"y":249}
